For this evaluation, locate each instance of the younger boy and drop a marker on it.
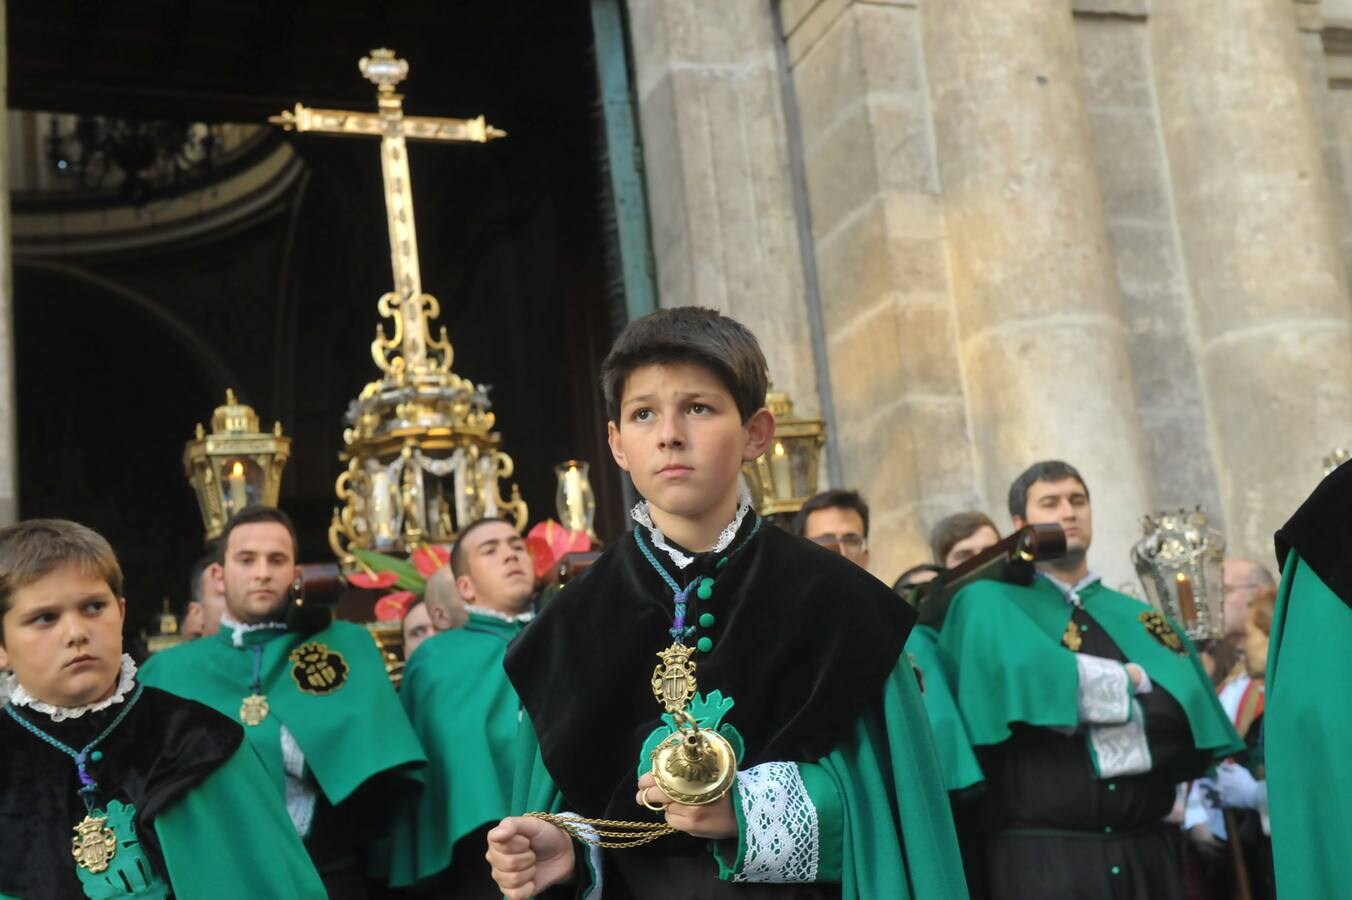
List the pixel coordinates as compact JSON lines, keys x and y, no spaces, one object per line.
{"x":797,"y":663}
{"x":109,"y":788}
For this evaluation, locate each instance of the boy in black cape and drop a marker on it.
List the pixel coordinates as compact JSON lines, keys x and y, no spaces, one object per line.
{"x":109,"y":788}
{"x":797,"y":665}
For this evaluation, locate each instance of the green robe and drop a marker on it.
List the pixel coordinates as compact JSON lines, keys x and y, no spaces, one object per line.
{"x":951,"y":742}
{"x":350,"y":731}
{"x":1013,"y":668}
{"x":465,"y":713}
{"x":1308,"y":734}
{"x":885,"y":825}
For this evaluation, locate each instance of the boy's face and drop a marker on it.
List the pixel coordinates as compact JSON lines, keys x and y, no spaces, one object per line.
{"x":259,"y":566}
{"x":682,"y":439}
{"x":63,"y":636}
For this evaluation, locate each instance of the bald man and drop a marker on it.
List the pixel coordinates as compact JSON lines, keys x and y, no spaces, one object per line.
{"x":1243,"y":578}
{"x":443,"y":601}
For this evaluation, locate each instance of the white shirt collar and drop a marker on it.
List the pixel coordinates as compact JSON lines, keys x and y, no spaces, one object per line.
{"x":521,"y":618}
{"x":238,"y":629}
{"x":19,"y":696}
{"x":1071,"y":591}
{"x":642,"y":516}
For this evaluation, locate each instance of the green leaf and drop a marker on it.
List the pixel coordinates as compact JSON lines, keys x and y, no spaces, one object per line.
{"x":409,"y":579}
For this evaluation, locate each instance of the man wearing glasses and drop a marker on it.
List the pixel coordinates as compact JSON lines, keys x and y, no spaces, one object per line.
{"x":837,"y":520}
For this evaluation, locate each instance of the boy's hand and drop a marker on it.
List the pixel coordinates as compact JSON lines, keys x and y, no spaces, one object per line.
{"x":528,"y":855}
{"x":715,"y":821}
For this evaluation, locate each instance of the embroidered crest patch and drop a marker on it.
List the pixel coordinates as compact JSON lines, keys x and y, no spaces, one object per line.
{"x":317,"y":669}
{"x":1160,"y":629}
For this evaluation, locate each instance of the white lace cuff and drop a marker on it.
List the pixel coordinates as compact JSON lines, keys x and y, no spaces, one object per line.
{"x":593,"y":890}
{"x":300,"y":796}
{"x":1105,"y":690}
{"x":1119,"y":750}
{"x":781,"y":837}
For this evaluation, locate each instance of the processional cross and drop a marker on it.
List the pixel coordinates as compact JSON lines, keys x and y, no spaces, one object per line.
{"x":383,"y":69}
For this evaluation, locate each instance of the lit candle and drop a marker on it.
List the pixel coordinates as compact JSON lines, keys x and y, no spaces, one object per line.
{"x":779,"y":472}
{"x":238,"y":498}
{"x":1187,"y":604}
{"x":572,"y":494}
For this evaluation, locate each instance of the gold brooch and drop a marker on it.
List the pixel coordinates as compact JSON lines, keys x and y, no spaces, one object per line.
{"x":1160,"y":629}
{"x":1071,"y":640}
{"x":318,"y":670}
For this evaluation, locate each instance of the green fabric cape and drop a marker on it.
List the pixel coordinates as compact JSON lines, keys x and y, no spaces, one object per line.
{"x":465,"y":713}
{"x":1308,"y":733}
{"x":898,"y":842}
{"x":1011,"y":667}
{"x":961,"y":769}
{"x":229,"y":835}
{"x":348,"y":735}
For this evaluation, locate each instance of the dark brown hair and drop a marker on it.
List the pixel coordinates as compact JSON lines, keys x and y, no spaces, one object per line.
{"x":1047,"y":470}
{"x":252,"y":515}
{"x":831,"y":500}
{"x":459,"y":564}
{"x":957,"y":527}
{"x":34,"y":549}
{"x":688,"y":334}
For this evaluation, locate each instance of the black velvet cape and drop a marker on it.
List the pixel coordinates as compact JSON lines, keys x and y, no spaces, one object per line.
{"x":802,"y":641}
{"x":164,"y":748}
{"x":1321,"y":532}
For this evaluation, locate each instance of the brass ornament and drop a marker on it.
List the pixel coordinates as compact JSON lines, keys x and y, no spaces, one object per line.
{"x":695,"y":766}
{"x":94,"y":844}
{"x":253,"y":710}
{"x":1160,"y":629}
{"x":674,"y":678}
{"x":1071,"y":640}
{"x":318,"y":670}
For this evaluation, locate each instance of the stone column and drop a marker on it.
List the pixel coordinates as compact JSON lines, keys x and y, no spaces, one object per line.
{"x":1042,"y":343}
{"x":1259,"y":239}
{"x":717,"y":166}
{"x":9,"y":462}
{"x":878,"y":235}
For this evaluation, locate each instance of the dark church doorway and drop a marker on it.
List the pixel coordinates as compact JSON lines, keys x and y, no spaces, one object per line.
{"x":513,"y":241}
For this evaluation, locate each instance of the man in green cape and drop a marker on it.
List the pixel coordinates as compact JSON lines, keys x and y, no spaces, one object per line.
{"x":1308,"y":729}
{"x":318,"y":708}
{"x":1087,"y":708}
{"x":465,"y":713}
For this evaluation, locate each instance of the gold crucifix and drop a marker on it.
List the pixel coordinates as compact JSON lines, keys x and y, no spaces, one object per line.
{"x":414,"y":308}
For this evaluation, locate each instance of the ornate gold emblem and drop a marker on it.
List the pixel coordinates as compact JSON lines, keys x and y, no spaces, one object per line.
{"x":317,"y":669}
{"x":253,"y":710}
{"x":94,"y":844}
{"x":1160,"y":629}
{"x":674,"y":677}
{"x":694,"y":765}
{"x":1071,"y":640}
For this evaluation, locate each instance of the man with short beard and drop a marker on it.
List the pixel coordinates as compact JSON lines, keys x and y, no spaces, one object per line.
{"x":1086,"y":708}
{"x":317,"y":707}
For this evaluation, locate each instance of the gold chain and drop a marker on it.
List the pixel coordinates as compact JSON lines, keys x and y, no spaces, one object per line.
{"x":591,"y":831}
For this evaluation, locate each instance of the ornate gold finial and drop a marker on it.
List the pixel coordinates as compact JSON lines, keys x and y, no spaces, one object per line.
{"x":235,"y":464}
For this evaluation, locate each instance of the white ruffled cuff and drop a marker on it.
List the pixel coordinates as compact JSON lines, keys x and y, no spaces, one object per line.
{"x":782,"y":838}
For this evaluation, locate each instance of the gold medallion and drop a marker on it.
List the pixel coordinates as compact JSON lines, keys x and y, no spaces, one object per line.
{"x":1071,"y":640}
{"x":253,"y":710}
{"x":674,"y":677}
{"x":94,"y":844}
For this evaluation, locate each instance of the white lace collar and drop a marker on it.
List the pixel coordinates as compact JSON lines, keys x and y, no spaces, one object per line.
{"x":641,"y":515}
{"x":1071,"y":591}
{"x":519,"y":618}
{"x":238,"y":629}
{"x":19,"y":696}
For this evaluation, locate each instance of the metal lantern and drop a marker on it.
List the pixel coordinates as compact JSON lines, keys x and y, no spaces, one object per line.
{"x":1179,"y":563}
{"x":235,"y":465}
{"x":785,"y":476}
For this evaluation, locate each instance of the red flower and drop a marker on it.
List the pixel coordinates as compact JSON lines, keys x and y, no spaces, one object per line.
{"x":392,"y":607}
{"x":376,"y":581}
{"x":428,"y":559}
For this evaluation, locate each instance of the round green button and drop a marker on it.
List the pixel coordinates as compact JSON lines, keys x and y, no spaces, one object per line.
{"x":706,"y":589}
{"x":96,"y":756}
{"x":704,"y":644}
{"x":1108,"y":829}
{"x":1112,"y":787}
{"x":1117,"y":870}
{"x":706,"y":620}
{"x":1084,"y":627}
{"x":721,"y":563}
